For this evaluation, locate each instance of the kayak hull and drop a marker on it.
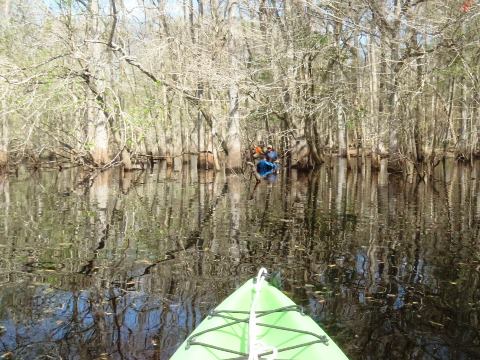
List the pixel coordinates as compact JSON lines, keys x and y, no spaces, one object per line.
{"x":281,"y":324}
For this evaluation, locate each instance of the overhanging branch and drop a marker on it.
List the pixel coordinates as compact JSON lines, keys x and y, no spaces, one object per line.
{"x":191,"y":98}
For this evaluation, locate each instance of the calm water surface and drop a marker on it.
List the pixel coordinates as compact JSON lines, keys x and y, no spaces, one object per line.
{"x":126,"y":267}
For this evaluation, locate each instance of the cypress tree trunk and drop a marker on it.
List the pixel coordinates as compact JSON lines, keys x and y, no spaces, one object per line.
{"x":374,"y":107}
{"x":97,"y":122}
{"x":234,"y":156}
{"x":3,"y":135}
{"x":341,"y":130}
{"x":462,"y":152}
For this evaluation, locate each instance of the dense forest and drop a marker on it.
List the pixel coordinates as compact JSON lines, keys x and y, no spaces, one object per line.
{"x":107,"y":82}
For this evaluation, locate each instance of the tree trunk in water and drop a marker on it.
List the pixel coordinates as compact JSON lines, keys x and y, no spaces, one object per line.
{"x":382,"y":125}
{"x":390,"y":44}
{"x":341,"y":131}
{"x":234,"y":156}
{"x":5,"y":190}
{"x":115,"y":116}
{"x":98,"y":127}
{"x":360,"y":103}
{"x":4,"y":135}
{"x":419,"y":128}
{"x":450,"y":131}
{"x":462,"y":152}
{"x":311,"y":127}
{"x":338,"y":80}
{"x":211,"y":145}
{"x":198,"y":142}
{"x":168,"y":127}
{"x":200,"y":133}
{"x":311,"y":137}
{"x":476,"y":127}
{"x":374,"y":136}
{"x":183,"y":137}
{"x":394,"y":160}
{"x":124,"y":153}
{"x":98,"y":132}
{"x":431,"y":158}
{"x":418,"y":133}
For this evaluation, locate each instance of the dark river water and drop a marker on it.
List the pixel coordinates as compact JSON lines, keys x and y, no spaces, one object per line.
{"x":125,"y":267}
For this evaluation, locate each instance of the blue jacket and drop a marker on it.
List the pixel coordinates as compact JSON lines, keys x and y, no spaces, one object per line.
{"x":265,"y":167}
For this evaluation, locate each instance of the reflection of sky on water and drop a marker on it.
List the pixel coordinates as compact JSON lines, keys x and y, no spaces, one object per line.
{"x":58,"y":316}
{"x":399,"y":300}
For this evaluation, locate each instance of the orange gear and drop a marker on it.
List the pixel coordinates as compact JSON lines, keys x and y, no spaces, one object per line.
{"x":467,"y":5}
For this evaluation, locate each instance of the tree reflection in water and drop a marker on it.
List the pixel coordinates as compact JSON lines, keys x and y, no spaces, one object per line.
{"x":127,"y":267}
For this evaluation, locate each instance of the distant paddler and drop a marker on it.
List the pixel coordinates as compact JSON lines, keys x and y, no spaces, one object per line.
{"x":267,"y":161}
{"x":271,"y":154}
{"x":266,"y":167}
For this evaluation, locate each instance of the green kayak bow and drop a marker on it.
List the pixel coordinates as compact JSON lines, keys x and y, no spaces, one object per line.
{"x":258,"y":321}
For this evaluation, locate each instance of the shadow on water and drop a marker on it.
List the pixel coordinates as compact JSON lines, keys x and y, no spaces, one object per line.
{"x":127,"y":267}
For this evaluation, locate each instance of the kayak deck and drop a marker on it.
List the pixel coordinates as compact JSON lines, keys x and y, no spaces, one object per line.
{"x":281,"y":324}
